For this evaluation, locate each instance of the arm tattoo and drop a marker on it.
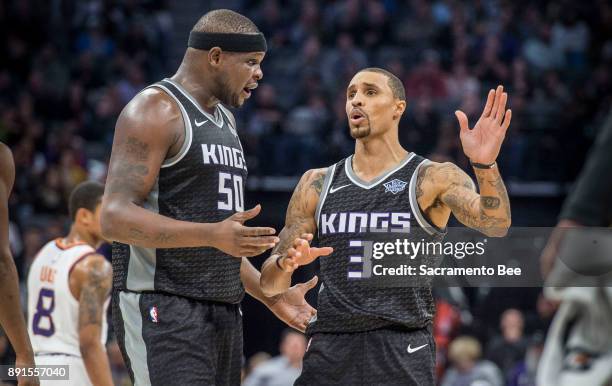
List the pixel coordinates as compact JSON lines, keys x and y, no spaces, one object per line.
{"x":422,"y":175}
{"x":317,"y":183}
{"x":500,"y":188}
{"x":489,"y":202}
{"x":139,"y":235}
{"x":138,"y":149}
{"x":467,"y":206}
{"x":131,"y":170}
{"x":93,"y":295}
{"x":298,"y":220}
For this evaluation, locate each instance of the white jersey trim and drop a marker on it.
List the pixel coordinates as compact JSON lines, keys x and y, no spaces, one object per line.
{"x":187,"y":127}
{"x":217,"y":119}
{"x":348,"y":168}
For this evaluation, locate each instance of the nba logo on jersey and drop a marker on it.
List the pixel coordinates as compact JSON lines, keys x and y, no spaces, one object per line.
{"x":394,"y":186}
{"x":153,"y":314}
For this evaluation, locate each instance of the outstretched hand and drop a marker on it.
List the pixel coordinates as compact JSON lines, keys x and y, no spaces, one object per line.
{"x":482,"y":143}
{"x":238,"y":240}
{"x":291,"y":306}
{"x":301,"y":253}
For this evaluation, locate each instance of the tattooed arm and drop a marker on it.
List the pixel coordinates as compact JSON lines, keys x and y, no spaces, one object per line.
{"x":293,"y":249}
{"x":446,"y":185}
{"x":150,"y":129}
{"x":90,"y":283}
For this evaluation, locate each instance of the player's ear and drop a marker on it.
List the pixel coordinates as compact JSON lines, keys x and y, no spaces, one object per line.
{"x":84,"y":216}
{"x":214,"y":56}
{"x":400,"y":107}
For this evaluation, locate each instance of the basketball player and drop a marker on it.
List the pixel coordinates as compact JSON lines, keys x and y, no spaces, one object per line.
{"x":174,"y":203}
{"x":11,"y":317}
{"x":68,"y":295}
{"x":371,"y":335}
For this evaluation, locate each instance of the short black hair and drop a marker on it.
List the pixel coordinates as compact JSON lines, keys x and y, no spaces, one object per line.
{"x":86,"y":195}
{"x":396,"y":85}
{"x":225,"y":21}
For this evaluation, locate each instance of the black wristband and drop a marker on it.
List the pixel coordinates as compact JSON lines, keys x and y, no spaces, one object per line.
{"x":277,"y":262}
{"x":483,"y":166}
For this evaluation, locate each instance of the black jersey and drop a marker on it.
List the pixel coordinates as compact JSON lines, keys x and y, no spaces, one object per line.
{"x":203,"y":183}
{"x":349,"y":209}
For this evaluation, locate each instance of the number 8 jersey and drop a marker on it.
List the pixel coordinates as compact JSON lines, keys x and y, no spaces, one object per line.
{"x":53,"y":311}
{"x":203,"y":182}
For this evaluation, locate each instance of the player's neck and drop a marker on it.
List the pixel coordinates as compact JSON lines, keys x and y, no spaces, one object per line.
{"x":79,"y":236}
{"x":373,"y":157}
{"x":195,"y":85}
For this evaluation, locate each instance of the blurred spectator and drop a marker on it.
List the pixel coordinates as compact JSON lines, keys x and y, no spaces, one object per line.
{"x":427,"y":80}
{"x":524,"y":374}
{"x":254,"y":361}
{"x":284,"y":369}
{"x":507,"y":349}
{"x":468,"y":369}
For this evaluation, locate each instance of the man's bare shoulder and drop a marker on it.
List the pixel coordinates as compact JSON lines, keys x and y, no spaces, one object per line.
{"x":152,"y":107}
{"x":95,"y":267}
{"x":314,"y":178}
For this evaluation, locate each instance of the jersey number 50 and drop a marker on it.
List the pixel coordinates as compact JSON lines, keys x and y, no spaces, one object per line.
{"x":43,"y":312}
{"x":234,"y":199}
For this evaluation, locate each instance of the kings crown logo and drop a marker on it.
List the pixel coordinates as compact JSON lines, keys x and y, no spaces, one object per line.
{"x":395,"y":186}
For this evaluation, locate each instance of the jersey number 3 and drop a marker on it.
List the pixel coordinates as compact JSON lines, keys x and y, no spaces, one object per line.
{"x":234,"y":197}
{"x":42,"y":322}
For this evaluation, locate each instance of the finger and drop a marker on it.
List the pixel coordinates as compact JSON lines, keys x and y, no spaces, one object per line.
{"x":301,"y":244}
{"x":248,"y":214}
{"x":257,"y":231}
{"x":463,"y":121}
{"x":507,"y":119}
{"x":324,"y":251}
{"x":310,"y":284}
{"x":262,"y":241}
{"x":502,"y":109}
{"x":289,"y":264}
{"x":307,"y":236}
{"x":292,"y":252}
{"x":489,"y":104}
{"x":498,"y":94}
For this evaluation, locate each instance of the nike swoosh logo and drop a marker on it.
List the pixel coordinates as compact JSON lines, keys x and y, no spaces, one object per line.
{"x":198,"y":124}
{"x":333,"y":190}
{"x":412,"y":350}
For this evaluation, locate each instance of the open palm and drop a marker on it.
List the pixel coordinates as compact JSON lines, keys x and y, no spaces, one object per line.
{"x":481,"y":144}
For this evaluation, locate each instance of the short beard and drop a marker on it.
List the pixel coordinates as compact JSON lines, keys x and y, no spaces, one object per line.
{"x":224,"y":93}
{"x":361,"y":132}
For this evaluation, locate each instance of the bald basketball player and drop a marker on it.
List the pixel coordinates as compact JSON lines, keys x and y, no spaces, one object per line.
{"x":11,"y":316}
{"x":366,"y":334}
{"x":174,"y":204}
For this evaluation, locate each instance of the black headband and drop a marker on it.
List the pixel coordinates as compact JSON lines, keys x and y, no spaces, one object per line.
{"x":235,"y":42}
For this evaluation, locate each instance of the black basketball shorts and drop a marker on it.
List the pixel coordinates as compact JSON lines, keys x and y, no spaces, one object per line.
{"x":378,"y":357}
{"x":173,"y":340}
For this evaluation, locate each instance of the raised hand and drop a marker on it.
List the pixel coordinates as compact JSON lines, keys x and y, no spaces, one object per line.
{"x":291,"y":306}
{"x":234,"y":238}
{"x":301,"y":253}
{"x":481,"y":144}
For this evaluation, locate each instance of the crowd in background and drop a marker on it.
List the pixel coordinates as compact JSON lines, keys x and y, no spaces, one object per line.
{"x":67,"y":68}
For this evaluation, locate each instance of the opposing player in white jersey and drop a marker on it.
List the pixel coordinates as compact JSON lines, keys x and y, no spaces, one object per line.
{"x":68,"y":295}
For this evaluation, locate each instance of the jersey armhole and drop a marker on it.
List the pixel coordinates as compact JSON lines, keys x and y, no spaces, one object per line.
{"x":329,"y":176}
{"x":186,"y":127}
{"x":414,"y":205}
